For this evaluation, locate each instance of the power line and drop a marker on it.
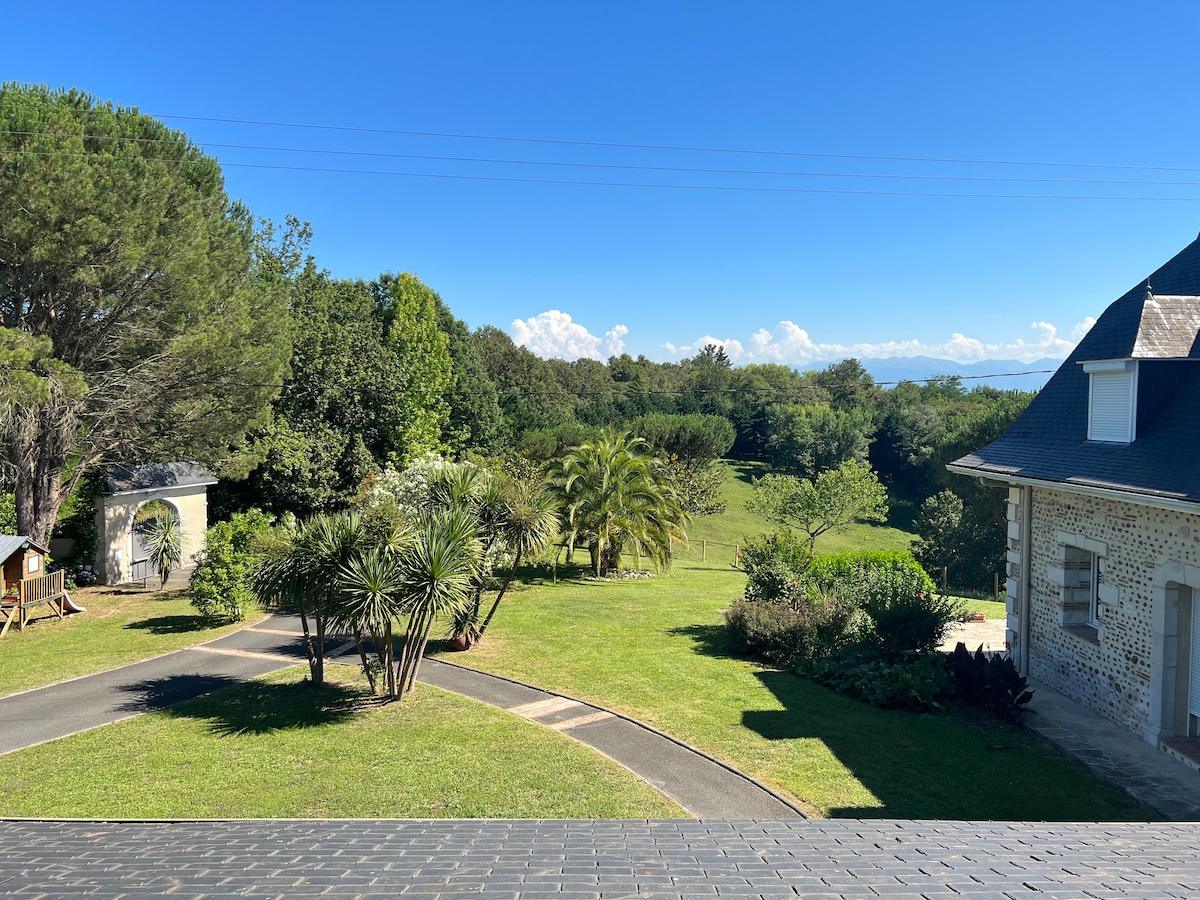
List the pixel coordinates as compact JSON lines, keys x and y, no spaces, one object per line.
{"x":1008,"y":179}
{"x":669,"y":147}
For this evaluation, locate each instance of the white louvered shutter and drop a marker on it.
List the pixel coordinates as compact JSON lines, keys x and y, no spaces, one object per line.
{"x":1110,"y":417}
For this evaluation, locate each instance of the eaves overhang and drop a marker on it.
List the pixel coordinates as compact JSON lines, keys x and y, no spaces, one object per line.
{"x":1155,"y":500}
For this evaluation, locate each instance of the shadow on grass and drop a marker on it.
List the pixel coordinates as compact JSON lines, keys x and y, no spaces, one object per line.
{"x":180,"y":624}
{"x":936,"y":765}
{"x":232,"y":707}
{"x":747,"y":470}
{"x":708,"y":640}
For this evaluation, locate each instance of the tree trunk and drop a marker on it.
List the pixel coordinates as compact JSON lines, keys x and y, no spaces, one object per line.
{"x":38,"y":441}
{"x":500,"y":596}
{"x":368,"y":669}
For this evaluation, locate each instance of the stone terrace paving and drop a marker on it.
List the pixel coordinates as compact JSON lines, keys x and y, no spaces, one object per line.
{"x":531,"y":860}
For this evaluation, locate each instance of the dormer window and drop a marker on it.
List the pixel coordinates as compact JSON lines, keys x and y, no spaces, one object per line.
{"x":1112,"y":399}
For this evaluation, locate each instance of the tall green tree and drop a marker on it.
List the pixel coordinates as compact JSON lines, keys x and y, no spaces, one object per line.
{"x":161,"y":321}
{"x":409,"y":310}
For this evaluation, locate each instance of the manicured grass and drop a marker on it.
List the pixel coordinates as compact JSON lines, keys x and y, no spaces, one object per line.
{"x":991,"y":609}
{"x":733,"y":526}
{"x":121,"y":625}
{"x":276,"y":748}
{"x":656,"y":649}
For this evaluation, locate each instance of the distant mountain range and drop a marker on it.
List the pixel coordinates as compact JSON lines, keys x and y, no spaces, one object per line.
{"x":918,"y":368}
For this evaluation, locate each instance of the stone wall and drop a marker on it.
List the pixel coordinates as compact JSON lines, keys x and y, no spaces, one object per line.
{"x":1108,"y":666}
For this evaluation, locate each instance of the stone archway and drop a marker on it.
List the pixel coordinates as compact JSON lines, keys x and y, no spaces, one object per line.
{"x":142,"y":519}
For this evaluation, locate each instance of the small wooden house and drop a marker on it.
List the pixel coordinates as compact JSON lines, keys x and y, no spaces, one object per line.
{"x":24,"y":583}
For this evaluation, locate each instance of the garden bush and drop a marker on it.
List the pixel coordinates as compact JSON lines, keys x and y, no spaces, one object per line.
{"x":220,"y":583}
{"x":843,"y":573}
{"x":913,"y":681}
{"x":989,"y":682}
{"x":775,"y":564}
{"x":784,"y":635}
{"x":904,"y":619}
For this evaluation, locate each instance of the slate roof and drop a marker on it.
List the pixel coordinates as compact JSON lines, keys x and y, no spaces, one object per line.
{"x":11,"y":543}
{"x":120,"y":479}
{"x":1160,"y":327}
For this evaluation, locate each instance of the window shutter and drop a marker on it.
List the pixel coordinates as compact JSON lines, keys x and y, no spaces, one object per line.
{"x":1111,"y":415}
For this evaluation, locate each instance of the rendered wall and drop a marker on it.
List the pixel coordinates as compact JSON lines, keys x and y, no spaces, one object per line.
{"x":114,"y":525}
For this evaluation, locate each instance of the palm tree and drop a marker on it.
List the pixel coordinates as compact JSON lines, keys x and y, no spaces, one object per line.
{"x":439,"y":572}
{"x":162,"y":535}
{"x":529,"y":525}
{"x":617,"y":495}
{"x":301,"y":568}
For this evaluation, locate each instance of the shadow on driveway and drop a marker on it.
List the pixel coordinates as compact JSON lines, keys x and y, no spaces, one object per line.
{"x":255,"y":707}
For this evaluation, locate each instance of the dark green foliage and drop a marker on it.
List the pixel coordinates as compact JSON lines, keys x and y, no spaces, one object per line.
{"x":842,"y":573}
{"x":915,"y":682}
{"x":528,"y":391}
{"x":808,"y":440}
{"x":77,"y":521}
{"x":8,"y":514}
{"x":220,"y":583}
{"x":475,"y":421}
{"x":775,"y":565}
{"x":545,"y":444}
{"x":903,"y":618}
{"x":692,"y":439}
{"x":989,"y":682}
{"x":966,"y":541}
{"x":157,"y":308}
{"x":784,"y":635}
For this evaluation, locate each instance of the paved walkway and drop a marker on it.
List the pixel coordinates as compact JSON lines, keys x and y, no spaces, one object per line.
{"x":531,"y":860}
{"x":702,"y":785}
{"x":43,"y":714}
{"x":1158,"y":781}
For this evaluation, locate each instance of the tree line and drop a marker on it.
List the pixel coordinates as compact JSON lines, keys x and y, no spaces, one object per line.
{"x":145,"y":315}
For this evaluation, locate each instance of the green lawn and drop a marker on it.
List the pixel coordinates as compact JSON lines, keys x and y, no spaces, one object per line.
{"x":730,"y":528}
{"x":656,"y":649}
{"x":276,"y":748}
{"x":121,"y":625}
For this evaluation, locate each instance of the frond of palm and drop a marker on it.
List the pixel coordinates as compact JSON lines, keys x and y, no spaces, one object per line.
{"x":370,"y":592}
{"x":531,"y":524}
{"x":163,"y":540}
{"x":439,"y":574}
{"x":618,"y":494}
{"x":460,"y":484}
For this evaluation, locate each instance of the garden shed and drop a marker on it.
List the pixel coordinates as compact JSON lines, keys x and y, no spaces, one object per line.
{"x":129,"y":492}
{"x":25,"y":584}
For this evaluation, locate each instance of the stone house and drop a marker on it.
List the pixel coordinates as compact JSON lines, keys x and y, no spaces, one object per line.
{"x":1103,"y":479}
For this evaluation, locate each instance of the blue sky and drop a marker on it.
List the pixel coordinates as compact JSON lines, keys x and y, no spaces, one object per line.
{"x":811,"y":270}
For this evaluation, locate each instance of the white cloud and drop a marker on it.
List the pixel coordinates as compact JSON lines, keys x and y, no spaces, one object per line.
{"x":790,"y":344}
{"x":733,"y":348}
{"x":612,"y":340}
{"x":553,"y":334}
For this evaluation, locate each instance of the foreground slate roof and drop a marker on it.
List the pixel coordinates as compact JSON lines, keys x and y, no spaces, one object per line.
{"x":594,"y":860}
{"x":119,"y":479}
{"x":1049,"y":442}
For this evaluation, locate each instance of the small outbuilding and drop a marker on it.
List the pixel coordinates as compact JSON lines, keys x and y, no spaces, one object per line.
{"x":121,"y":556}
{"x":25,"y":584}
